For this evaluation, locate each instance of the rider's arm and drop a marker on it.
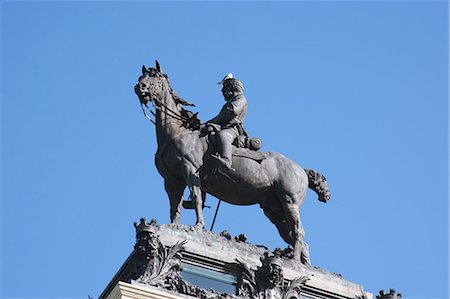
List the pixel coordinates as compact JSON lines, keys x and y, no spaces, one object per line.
{"x":238,"y":104}
{"x":225,"y":116}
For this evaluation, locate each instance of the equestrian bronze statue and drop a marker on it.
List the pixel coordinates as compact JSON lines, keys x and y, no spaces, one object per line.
{"x":188,"y":154}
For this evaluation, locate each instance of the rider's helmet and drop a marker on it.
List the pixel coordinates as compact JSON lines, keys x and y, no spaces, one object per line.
{"x":228,"y":81}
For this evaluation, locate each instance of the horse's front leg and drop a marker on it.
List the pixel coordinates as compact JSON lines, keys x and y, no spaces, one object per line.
{"x":175,"y":193}
{"x":196,"y":195}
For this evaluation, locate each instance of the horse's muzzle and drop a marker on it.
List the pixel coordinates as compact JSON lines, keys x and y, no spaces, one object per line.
{"x":143,"y":96}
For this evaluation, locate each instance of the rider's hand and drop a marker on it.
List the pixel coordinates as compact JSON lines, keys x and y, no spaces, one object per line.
{"x":206,"y":129}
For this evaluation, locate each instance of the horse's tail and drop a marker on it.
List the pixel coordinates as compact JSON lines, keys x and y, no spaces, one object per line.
{"x":318,"y":183}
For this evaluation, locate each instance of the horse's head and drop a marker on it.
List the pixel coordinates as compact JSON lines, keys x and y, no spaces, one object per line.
{"x":151,"y":84}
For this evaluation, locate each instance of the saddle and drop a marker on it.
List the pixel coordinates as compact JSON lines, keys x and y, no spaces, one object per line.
{"x":250,"y":154}
{"x":244,"y":146}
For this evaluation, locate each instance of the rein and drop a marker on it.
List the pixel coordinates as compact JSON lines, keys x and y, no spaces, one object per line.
{"x":169,"y":112}
{"x":172,"y":113}
{"x":146,"y":115}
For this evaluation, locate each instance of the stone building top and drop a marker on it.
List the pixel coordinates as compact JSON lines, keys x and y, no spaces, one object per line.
{"x":186,"y":261}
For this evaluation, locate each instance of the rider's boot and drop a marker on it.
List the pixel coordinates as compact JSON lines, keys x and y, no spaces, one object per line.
{"x":223,"y":161}
{"x":225,"y":149}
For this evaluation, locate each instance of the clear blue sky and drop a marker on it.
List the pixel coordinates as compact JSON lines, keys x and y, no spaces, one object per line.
{"x":357,"y":90}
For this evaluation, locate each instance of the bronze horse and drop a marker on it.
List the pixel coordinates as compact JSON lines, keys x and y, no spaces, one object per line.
{"x":271,"y":180}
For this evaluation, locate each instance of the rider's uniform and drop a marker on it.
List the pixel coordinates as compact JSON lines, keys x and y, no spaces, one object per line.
{"x":230,"y":119}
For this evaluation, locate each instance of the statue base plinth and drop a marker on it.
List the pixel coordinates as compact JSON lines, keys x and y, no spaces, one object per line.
{"x":179,"y":261}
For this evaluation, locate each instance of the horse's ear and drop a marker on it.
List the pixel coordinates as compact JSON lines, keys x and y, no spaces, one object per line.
{"x":158,"y":67}
{"x":144,"y":69}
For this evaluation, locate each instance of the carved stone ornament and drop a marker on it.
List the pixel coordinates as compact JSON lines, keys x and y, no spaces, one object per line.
{"x":391,"y":295}
{"x":154,"y":264}
{"x":160,"y":266}
{"x":268,"y":281}
{"x":382,"y":295}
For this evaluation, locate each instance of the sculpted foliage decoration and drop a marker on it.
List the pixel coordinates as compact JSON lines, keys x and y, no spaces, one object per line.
{"x":268,"y":281}
{"x":155,"y":264}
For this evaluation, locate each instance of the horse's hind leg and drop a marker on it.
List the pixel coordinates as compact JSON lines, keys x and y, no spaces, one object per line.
{"x":291,"y":209}
{"x":278,"y":218}
{"x":175,"y":193}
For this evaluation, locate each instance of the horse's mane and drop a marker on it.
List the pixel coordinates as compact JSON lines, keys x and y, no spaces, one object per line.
{"x":193,"y":122}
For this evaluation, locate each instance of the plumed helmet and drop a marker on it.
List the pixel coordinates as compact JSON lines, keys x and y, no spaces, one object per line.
{"x":228,"y":80}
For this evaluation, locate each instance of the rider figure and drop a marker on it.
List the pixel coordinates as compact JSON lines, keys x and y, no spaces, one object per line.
{"x":228,"y":123}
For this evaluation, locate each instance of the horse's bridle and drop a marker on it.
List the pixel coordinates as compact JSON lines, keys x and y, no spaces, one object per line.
{"x":154,"y":84}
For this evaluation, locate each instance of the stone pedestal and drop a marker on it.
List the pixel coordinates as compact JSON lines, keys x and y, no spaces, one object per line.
{"x":178,"y":261}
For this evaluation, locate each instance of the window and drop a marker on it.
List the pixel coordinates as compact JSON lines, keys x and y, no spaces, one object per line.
{"x":207,"y":278}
